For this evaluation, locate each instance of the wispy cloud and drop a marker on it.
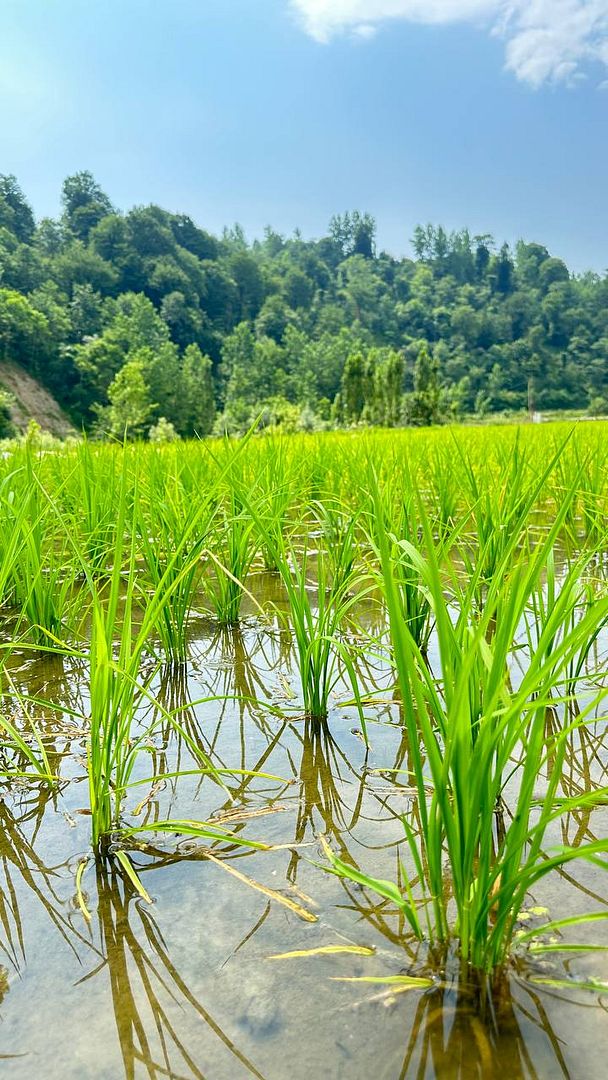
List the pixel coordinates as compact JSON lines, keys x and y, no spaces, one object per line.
{"x":545,"y":40}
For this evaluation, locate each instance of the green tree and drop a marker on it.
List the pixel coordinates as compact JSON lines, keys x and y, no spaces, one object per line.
{"x":84,"y":204}
{"x":353,"y":234}
{"x":503,"y":271}
{"x":130,"y":407}
{"x":162,"y":431}
{"x":423,"y":406}
{"x":15,"y":212}
{"x":24,"y":331}
{"x":198,"y":413}
{"x":131,"y":324}
{"x":281,"y":320}
{"x":247,"y":276}
{"x":393,"y":372}
{"x":354,"y":389}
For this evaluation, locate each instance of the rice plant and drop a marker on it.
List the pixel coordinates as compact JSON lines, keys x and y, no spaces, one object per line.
{"x":496,"y":624}
{"x":473,"y":737}
{"x":321,"y":590}
{"x":401,"y":528}
{"x":230,"y":561}
{"x":93,"y":503}
{"x":23,"y":753}
{"x":278,"y":479}
{"x":172,"y":557}
{"x":43,"y":578}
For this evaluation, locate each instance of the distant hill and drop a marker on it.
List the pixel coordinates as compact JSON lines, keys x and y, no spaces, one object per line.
{"x":132,"y":318}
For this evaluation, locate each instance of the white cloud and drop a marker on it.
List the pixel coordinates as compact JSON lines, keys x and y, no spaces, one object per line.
{"x":364,"y":30}
{"x":545,"y":40}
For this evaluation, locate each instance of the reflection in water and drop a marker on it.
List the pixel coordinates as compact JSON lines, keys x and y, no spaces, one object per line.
{"x":585,"y":769}
{"x":334,"y":786}
{"x":323,"y":807}
{"x":147,"y":990}
{"x":234,"y":683}
{"x":462,"y":1031}
{"x":21,"y":866}
{"x":238,"y":675}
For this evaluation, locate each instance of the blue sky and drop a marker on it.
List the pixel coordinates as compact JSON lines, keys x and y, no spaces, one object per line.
{"x":486,"y":113}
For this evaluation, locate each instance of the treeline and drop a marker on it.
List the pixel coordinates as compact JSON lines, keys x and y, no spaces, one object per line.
{"x":145,"y":320}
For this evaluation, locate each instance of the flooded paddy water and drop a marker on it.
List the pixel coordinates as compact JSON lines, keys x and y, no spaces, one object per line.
{"x":187,"y":986}
{"x":303,"y":761}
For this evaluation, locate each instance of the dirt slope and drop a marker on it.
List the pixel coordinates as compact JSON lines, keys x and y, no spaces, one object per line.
{"x":32,"y":401}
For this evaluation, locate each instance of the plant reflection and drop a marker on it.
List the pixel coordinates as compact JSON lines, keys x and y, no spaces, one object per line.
{"x":463,"y":1030}
{"x":325,"y":774}
{"x":148,"y":991}
{"x":21,"y":866}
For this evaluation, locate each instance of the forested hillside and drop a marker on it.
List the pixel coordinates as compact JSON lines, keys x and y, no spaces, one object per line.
{"x":129,"y":318}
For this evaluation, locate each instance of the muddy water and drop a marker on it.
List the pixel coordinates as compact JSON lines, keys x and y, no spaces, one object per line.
{"x":186,"y":987}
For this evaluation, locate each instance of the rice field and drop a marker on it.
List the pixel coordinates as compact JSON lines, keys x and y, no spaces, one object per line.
{"x":303,"y":757}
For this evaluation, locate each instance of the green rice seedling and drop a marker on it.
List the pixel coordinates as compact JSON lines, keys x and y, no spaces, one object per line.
{"x":42,"y":573}
{"x":473,"y":738}
{"x":591,"y":495}
{"x":340,"y":541}
{"x":444,"y":494}
{"x":44,"y":590}
{"x":115,"y":685}
{"x":119,"y":736}
{"x":232,"y":545}
{"x":403,"y":531}
{"x":179,"y":534}
{"x":559,"y":482}
{"x":585,"y":600}
{"x":14,"y":515}
{"x":499,"y":509}
{"x":93,"y":509}
{"x":277,"y":481}
{"x":115,"y":694}
{"x":501,"y":514}
{"x":321,"y":595}
{"x":231,"y":557}
{"x":317,"y":613}
{"x":117,"y":691}
{"x":23,"y":753}
{"x":172,"y":558}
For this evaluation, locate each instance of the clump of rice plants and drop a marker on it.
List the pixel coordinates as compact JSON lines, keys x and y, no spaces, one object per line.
{"x":494,"y":635}
{"x":93,"y":502}
{"x":475,"y":850}
{"x":172,"y":558}
{"x":400,"y":527}
{"x":591,"y":492}
{"x":37,"y":574}
{"x":23,"y":753}
{"x":234,"y":545}
{"x":278,"y":480}
{"x":231,"y":558}
{"x":322,"y":588}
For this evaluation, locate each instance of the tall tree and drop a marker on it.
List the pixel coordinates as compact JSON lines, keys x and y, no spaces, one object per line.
{"x":15,"y":212}
{"x":84,"y":204}
{"x":199,"y":410}
{"x":130,"y":408}
{"x":423,"y":405}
